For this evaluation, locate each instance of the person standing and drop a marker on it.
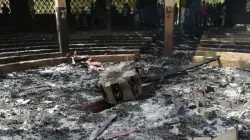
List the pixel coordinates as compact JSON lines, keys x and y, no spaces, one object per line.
{"x":176,"y":11}
{"x":141,"y":12}
{"x":114,"y":14}
{"x":84,"y":23}
{"x":93,"y":12}
{"x":77,"y":21}
{"x":209,"y":14}
{"x":137,"y":19}
{"x":214,"y":14}
{"x":160,"y":13}
{"x":33,"y":19}
{"x":223,"y":14}
{"x":125,"y":14}
{"x":130,"y":17}
{"x":217,"y":14}
{"x":204,"y":14}
{"x":6,"y":12}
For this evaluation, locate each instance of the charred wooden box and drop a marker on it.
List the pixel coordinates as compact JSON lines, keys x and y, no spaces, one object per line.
{"x":120,"y":83}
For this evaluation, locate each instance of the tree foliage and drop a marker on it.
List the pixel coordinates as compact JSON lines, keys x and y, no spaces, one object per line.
{"x":208,"y":1}
{"x":214,"y":1}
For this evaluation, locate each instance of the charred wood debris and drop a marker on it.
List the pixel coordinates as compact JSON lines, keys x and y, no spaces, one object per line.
{"x":172,"y":99}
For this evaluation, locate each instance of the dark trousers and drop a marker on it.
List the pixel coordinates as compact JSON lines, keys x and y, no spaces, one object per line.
{"x":203,"y":21}
{"x":5,"y":20}
{"x":126,"y":21}
{"x":197,"y":19}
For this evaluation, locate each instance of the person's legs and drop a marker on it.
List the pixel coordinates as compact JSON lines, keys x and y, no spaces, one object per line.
{"x":136,"y":24}
{"x":208,"y":20}
{"x":77,"y":24}
{"x":175,"y":20}
{"x":197,"y":19}
{"x":4,"y":20}
{"x":202,"y":20}
{"x":205,"y":20}
{"x":123,"y":20}
{"x":214,"y":19}
{"x":126,"y":20}
{"x":89,"y":22}
{"x":219,"y":21}
{"x":161,"y":20}
{"x":223,"y":21}
{"x":92,"y":21}
{"x":142,"y":16}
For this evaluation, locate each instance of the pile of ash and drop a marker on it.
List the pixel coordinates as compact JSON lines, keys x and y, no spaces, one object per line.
{"x":39,"y":103}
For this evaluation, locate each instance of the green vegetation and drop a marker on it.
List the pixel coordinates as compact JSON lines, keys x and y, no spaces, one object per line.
{"x":44,"y":6}
{"x":214,"y":1}
{"x":207,"y":1}
{"x":47,"y":6}
{"x":2,"y":2}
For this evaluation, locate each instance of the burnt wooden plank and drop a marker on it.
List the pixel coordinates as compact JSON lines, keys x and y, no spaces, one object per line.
{"x":180,"y":69}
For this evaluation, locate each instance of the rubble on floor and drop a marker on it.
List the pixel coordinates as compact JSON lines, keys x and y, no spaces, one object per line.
{"x":202,"y":102}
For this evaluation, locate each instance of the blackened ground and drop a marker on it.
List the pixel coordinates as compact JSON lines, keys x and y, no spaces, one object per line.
{"x":40,"y":103}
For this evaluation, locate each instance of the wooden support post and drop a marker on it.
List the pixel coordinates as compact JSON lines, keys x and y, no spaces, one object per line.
{"x":62,"y":26}
{"x":108,"y":18}
{"x":169,"y":27}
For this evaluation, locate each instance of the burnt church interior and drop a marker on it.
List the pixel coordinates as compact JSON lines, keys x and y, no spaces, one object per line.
{"x":124,"y":69}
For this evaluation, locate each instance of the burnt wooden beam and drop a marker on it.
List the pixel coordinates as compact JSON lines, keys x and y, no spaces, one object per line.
{"x":223,"y":62}
{"x":114,"y":58}
{"x":109,"y":52}
{"x":224,"y":55}
{"x":94,"y":106}
{"x":179,"y":69}
{"x":32,"y":64}
{"x":12,"y":67}
{"x":13,"y":59}
{"x":27,"y":52}
{"x":105,"y":125}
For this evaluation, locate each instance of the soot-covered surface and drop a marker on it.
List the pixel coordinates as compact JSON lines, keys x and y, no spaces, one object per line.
{"x":40,"y":103}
